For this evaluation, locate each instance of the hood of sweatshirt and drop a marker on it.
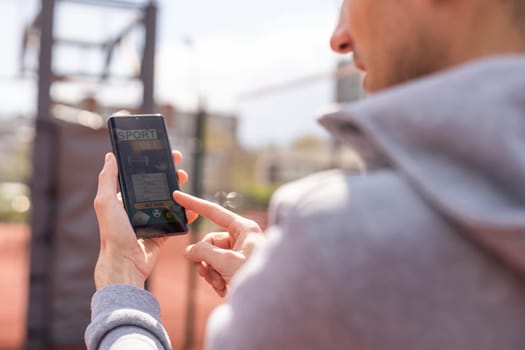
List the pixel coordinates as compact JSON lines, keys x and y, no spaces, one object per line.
{"x":458,"y":137}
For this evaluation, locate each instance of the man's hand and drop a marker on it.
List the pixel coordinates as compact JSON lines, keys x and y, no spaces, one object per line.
{"x":123,"y":259}
{"x":220,"y":254}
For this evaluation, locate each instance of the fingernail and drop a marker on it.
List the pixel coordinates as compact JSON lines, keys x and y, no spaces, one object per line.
{"x":188,"y":250}
{"x":108,"y":157}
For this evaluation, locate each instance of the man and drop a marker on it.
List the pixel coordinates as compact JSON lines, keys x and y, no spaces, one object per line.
{"x":426,"y":253}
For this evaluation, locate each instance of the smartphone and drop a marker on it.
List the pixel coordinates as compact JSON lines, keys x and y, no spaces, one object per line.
{"x":147,"y":175}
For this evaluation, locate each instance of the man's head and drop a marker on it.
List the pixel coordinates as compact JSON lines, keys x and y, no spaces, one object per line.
{"x":398,"y":40}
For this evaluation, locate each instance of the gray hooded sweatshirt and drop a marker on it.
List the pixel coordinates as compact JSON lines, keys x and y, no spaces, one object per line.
{"x":425,"y":253}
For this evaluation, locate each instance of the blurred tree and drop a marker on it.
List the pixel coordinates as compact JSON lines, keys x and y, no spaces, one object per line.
{"x":19,"y":161}
{"x":14,"y":202}
{"x":255,"y":195}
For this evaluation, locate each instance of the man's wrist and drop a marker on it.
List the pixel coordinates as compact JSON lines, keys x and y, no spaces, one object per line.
{"x":109,"y":271}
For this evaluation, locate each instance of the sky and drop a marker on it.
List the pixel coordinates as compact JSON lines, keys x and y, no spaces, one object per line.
{"x":222,"y":51}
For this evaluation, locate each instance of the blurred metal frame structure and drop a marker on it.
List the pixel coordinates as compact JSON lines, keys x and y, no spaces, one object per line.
{"x":108,"y":3}
{"x":43,"y":186}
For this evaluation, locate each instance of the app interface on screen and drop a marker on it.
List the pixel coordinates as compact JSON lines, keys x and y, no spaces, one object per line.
{"x":144,"y":152}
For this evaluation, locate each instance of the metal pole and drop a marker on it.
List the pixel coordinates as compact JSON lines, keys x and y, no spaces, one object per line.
{"x":148,"y":58}
{"x":197,"y":190}
{"x":200,"y":119}
{"x":147,"y":69}
{"x":42,"y":192}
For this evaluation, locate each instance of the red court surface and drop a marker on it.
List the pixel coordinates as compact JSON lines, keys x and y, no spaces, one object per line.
{"x":13,"y":284}
{"x":169,"y":283}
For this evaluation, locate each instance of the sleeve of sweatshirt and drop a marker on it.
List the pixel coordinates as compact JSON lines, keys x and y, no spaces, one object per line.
{"x":125,"y":317}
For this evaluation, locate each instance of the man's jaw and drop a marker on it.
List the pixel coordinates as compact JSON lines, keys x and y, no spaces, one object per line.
{"x":359,"y":65}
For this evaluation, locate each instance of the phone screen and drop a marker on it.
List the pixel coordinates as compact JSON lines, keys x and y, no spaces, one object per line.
{"x":147,"y":175}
